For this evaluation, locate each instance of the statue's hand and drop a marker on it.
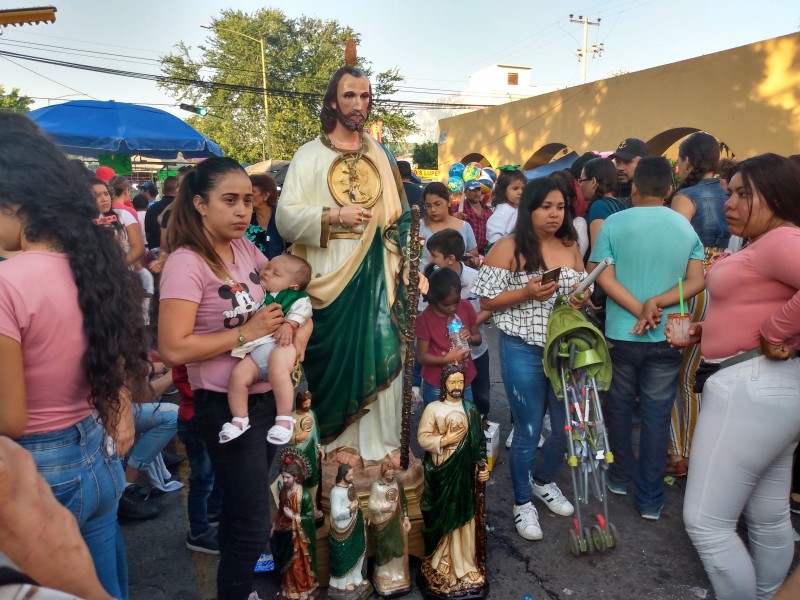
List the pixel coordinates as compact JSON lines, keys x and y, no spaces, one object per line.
{"x":407,"y":525}
{"x":288,"y":512}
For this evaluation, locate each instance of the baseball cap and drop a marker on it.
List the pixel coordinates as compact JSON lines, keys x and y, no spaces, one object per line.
{"x":150,"y":187}
{"x":630,"y":148}
{"x":104,"y":173}
{"x":472,"y":184}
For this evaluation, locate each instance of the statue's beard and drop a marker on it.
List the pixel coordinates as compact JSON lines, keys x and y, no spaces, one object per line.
{"x":349,"y":122}
{"x":456,"y":394}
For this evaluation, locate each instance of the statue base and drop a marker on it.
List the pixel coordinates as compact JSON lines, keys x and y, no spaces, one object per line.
{"x":360,"y":593}
{"x":314,"y":594}
{"x":474,"y":593}
{"x":363,"y":478}
{"x":393,"y":594}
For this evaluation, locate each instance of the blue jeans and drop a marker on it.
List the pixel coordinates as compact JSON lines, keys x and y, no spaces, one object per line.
{"x":648,"y":370}
{"x":242,"y":468}
{"x":204,"y":497}
{"x":431,"y":393}
{"x":83,"y":470}
{"x":529,"y":395}
{"x":156,"y":424}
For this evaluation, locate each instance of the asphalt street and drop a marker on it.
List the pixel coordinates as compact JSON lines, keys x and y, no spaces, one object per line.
{"x":652,"y":560}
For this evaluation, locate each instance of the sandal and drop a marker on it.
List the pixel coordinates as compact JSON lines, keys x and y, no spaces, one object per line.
{"x":281,"y":435}
{"x":677,"y":468}
{"x":230,"y":431}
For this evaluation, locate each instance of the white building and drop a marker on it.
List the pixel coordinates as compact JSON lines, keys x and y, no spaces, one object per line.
{"x":493,"y":85}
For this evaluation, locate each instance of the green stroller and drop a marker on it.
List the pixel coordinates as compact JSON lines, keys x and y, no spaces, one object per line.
{"x":578,"y":365}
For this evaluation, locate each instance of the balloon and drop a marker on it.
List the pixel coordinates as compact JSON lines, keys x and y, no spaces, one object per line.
{"x":486,"y":182}
{"x":455,"y":185}
{"x":477,"y":165}
{"x":456,"y":170}
{"x":471,"y":172}
{"x":491,"y":174}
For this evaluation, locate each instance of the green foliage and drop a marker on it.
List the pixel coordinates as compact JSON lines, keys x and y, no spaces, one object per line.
{"x":14,"y":101}
{"x":301,"y":54}
{"x":426,"y":155}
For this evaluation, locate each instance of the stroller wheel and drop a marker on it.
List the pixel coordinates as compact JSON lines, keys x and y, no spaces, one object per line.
{"x":574,"y":546}
{"x":598,"y":538}
{"x":611,"y":536}
{"x":587,"y":539}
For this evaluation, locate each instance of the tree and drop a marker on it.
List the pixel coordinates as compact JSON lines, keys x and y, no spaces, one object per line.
{"x":426,"y":155}
{"x":13,"y":100}
{"x":300,"y":56}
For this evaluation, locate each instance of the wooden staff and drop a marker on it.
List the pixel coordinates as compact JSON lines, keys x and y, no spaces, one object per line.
{"x":480,"y":520}
{"x":414,"y":255}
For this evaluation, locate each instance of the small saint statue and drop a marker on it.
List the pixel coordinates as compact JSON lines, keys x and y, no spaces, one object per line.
{"x":389,"y":525}
{"x":451,"y":434}
{"x":305,"y":438}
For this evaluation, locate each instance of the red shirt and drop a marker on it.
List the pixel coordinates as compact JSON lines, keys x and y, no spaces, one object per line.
{"x":478,"y":223}
{"x":433,"y":328}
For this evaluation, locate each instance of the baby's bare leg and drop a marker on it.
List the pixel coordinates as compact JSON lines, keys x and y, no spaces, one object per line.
{"x":242,"y":377}
{"x":279,"y":369}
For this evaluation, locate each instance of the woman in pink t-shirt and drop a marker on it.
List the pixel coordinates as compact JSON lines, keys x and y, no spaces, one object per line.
{"x":71,"y":338}
{"x":749,"y":421}
{"x":209,"y":295}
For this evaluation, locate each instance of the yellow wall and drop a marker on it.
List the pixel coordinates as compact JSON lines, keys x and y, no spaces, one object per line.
{"x":747,"y":97}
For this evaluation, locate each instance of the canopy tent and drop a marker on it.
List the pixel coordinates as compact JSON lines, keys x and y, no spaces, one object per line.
{"x":90,"y":128}
{"x":565,"y":162}
{"x":274,"y":168}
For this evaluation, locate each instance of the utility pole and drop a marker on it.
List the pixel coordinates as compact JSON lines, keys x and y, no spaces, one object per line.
{"x":596,"y":49}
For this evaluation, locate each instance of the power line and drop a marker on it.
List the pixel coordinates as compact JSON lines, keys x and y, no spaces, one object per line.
{"x":205,"y":66}
{"x":48,"y":78}
{"x":212,"y":85}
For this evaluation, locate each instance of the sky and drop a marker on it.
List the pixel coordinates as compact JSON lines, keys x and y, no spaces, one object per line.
{"x":435,"y":44}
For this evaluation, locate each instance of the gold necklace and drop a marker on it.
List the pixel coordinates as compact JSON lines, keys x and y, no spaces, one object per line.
{"x":350,"y":158}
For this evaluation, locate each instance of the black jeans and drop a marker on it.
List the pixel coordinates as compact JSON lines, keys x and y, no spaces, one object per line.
{"x":481,"y":385}
{"x":242,"y":469}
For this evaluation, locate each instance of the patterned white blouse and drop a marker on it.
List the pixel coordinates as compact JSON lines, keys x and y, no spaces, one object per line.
{"x":527,"y":320}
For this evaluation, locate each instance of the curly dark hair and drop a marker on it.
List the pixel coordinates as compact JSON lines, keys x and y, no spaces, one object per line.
{"x":527,"y":247}
{"x":56,"y":205}
{"x":327,"y":115}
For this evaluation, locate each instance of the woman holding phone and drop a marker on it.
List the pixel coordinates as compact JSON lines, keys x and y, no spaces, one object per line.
{"x":511,"y":284}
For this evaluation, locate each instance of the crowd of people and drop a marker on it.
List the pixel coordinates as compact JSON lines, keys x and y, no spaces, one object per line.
{"x":234,"y":315}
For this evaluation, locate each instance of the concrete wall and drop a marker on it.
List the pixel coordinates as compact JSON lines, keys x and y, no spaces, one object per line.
{"x":747,"y":97}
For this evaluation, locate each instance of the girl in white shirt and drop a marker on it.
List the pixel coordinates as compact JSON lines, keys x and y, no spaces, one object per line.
{"x":505,"y":200}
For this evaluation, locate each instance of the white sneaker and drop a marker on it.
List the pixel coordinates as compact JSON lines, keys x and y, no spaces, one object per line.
{"x":510,"y":438}
{"x":553,"y":498}
{"x":527,"y":521}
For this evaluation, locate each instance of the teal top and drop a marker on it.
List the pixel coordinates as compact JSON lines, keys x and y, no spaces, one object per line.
{"x":651,"y":247}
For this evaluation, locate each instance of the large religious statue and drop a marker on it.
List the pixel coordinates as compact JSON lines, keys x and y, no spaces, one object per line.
{"x":293,"y":538}
{"x":347,"y":541}
{"x":306,"y":439}
{"x":451,"y":434}
{"x":343,"y":206}
{"x":389,"y":524}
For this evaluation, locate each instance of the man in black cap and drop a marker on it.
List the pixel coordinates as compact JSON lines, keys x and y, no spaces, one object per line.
{"x":626,"y":157}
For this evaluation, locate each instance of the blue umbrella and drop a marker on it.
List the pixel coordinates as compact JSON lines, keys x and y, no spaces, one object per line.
{"x":89,"y":128}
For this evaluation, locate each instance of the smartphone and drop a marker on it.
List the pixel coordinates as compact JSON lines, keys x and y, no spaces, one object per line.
{"x":551,"y":275}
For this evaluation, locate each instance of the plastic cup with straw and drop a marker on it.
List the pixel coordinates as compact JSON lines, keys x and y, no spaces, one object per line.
{"x":678,"y":323}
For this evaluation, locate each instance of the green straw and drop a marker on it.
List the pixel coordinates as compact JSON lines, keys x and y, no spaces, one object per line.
{"x":680,"y":292}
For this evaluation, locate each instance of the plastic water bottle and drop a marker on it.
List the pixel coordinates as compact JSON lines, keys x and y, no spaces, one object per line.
{"x":454,"y":328}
